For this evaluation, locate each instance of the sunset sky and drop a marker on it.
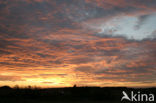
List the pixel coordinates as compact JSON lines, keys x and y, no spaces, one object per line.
{"x":59,"y":43}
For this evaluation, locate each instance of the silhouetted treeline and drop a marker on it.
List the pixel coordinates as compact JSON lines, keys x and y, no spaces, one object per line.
{"x":67,"y":94}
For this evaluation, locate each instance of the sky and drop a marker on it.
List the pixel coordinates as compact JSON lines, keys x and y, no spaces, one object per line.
{"x":59,"y":43}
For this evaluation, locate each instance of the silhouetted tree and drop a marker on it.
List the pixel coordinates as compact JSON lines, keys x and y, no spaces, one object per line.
{"x":74,"y":86}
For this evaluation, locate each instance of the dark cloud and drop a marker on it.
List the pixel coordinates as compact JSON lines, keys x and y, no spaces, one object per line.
{"x":81,"y":60}
{"x":142,"y":20}
{"x":86,"y":69}
{"x":50,"y":75}
{"x":153,"y":35}
{"x":10,"y":78}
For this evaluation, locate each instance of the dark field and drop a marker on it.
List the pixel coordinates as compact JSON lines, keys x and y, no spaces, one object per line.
{"x":68,"y":95}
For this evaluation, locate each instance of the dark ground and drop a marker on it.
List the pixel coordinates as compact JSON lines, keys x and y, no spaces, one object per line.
{"x":68,"y":95}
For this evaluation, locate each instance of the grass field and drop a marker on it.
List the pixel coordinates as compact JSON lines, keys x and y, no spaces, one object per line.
{"x":68,"y":95}
{"x":34,"y":101}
